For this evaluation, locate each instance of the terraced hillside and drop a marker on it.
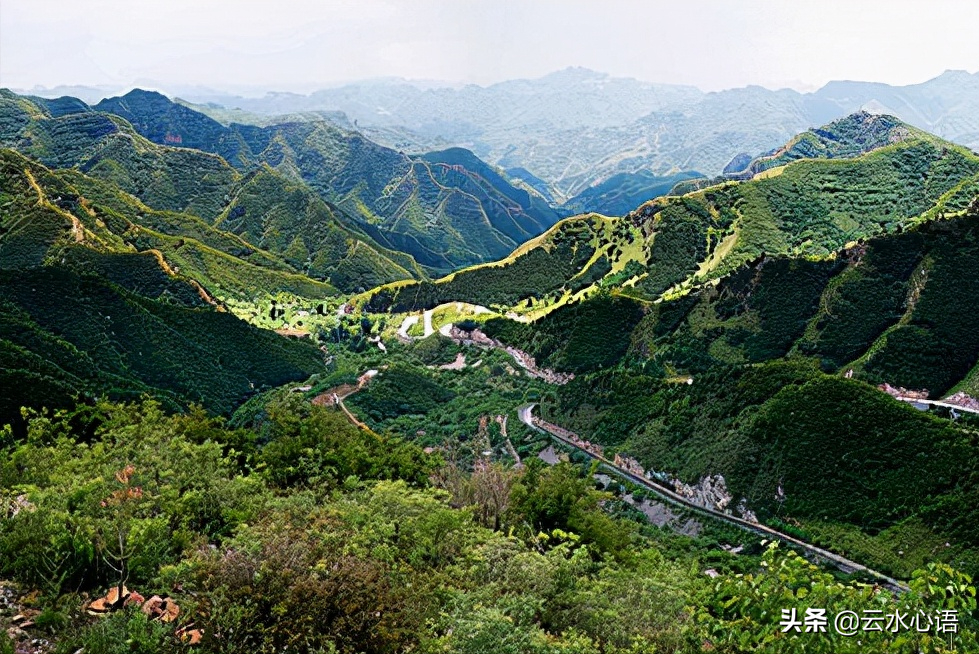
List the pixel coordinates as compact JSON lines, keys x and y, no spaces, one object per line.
{"x":446,"y":209}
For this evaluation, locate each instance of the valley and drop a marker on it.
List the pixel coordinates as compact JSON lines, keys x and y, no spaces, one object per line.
{"x":329,"y":395}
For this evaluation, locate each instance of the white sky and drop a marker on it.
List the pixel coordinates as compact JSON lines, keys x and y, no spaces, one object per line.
{"x":305,"y":44}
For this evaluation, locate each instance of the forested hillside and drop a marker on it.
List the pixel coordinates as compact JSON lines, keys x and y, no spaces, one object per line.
{"x":301,"y":532}
{"x":445,"y":209}
{"x":175,"y":475}
{"x":746,"y":330}
{"x":86,"y":314}
{"x":311,"y":237}
{"x":813,"y":207}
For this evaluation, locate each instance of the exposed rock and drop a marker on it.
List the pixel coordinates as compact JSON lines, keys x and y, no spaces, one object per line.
{"x":98,"y":606}
{"x":458,"y":364}
{"x":162,"y":609}
{"x":112,"y":597}
{"x":524,"y":360}
{"x":903,"y":393}
{"x":549,"y":456}
{"x":963,"y":400}
{"x":710,"y":492}
{"x":190,"y":635}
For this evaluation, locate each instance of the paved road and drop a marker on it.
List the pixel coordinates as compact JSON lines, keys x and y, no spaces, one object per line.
{"x":525,"y":413}
{"x":405,"y":326}
{"x":912,"y":400}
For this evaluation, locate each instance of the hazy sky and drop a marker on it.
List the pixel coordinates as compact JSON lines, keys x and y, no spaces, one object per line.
{"x":305,"y":44}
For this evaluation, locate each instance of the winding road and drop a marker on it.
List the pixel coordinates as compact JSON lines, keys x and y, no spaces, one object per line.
{"x":525,"y":413}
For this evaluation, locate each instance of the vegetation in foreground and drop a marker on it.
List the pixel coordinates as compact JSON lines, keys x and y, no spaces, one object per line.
{"x":302,"y":533}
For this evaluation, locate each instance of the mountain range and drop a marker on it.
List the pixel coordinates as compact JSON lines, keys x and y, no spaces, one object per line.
{"x":446,"y":210}
{"x":748,"y":330}
{"x":576,"y":128}
{"x":733,"y":325}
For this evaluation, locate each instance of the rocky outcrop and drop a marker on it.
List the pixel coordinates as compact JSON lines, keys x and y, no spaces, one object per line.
{"x":903,"y":393}
{"x":962,"y":400}
{"x":524,"y":360}
{"x":711,"y":492}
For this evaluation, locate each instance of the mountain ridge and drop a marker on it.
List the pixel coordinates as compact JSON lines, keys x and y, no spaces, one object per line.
{"x":886,"y":178}
{"x":389,"y":193}
{"x":671,"y":127}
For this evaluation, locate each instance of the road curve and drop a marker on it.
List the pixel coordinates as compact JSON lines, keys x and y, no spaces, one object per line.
{"x":405,"y":326}
{"x":525,"y":413}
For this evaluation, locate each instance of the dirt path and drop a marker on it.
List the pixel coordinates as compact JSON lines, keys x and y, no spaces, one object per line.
{"x":336,"y":395}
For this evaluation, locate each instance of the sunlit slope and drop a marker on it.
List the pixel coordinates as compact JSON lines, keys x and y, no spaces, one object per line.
{"x":84,"y":313}
{"x":808,"y":208}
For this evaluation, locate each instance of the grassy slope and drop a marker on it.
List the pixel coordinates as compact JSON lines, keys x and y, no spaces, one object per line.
{"x":564,"y":263}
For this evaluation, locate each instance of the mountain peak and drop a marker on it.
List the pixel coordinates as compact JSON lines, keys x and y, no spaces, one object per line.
{"x":143,"y":96}
{"x":956,"y":73}
{"x":136,"y":101}
{"x":850,"y":136}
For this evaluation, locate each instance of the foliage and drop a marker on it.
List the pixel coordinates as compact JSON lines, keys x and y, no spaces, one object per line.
{"x":623,"y":192}
{"x":401,"y":390}
{"x":106,"y":340}
{"x":302,"y":532}
{"x":541,"y":271}
{"x":743,"y":612}
{"x":581,"y":337}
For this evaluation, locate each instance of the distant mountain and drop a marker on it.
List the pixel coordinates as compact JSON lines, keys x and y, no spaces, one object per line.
{"x":444,"y":214}
{"x":621,"y":193}
{"x":576,"y":128}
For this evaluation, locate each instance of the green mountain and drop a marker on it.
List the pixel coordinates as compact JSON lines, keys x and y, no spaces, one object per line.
{"x":570,"y":260}
{"x":285,"y":219}
{"x":85,"y":314}
{"x":845,"y":138}
{"x":447,"y":209}
{"x":740,"y":330}
{"x":768,"y":378}
{"x":623,"y":192}
{"x":811,"y":207}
